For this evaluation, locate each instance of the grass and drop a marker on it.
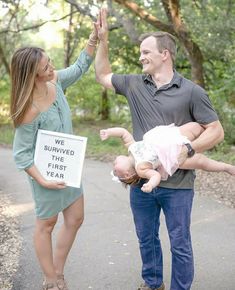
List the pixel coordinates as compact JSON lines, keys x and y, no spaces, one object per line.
{"x":6,"y":134}
{"x":106,"y":150}
{"x":96,"y":149}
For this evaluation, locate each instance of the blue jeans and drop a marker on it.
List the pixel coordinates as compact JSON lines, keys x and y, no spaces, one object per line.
{"x":176,"y":205}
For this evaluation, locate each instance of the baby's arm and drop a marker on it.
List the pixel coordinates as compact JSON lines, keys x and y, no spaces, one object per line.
{"x":145,"y":170}
{"x":119,"y":132}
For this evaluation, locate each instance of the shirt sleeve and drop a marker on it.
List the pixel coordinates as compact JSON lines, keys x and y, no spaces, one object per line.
{"x":120,"y":83}
{"x":24,"y":145}
{"x":201,"y":107}
{"x":73,"y":73}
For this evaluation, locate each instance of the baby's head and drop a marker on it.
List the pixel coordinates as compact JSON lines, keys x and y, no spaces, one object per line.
{"x":125,"y":171}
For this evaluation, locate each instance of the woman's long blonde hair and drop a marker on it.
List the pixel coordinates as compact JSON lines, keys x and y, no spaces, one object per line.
{"x":24,"y":67}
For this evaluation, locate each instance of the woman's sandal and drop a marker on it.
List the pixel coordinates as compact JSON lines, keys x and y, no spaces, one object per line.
{"x":46,"y":286}
{"x":61,"y":283}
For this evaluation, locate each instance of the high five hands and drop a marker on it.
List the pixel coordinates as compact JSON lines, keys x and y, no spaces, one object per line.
{"x":101,"y":25}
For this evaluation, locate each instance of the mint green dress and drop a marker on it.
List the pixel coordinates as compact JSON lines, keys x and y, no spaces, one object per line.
{"x":49,"y":202}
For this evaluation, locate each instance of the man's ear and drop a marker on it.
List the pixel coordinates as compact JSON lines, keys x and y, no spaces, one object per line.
{"x":165,"y":54}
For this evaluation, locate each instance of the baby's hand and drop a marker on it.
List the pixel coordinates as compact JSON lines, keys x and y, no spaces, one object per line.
{"x":104,"y":134}
{"x":147,"y":187}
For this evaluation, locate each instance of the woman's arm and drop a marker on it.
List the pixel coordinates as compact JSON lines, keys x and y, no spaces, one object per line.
{"x":23,"y":152}
{"x":119,"y":132}
{"x":74,"y":72}
{"x":51,"y":184}
{"x":92,"y":41}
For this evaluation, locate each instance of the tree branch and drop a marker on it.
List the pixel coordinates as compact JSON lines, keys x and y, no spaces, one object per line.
{"x":175,"y":27}
{"x":135,"y":8}
{"x":36,"y":25}
{"x":84,"y":11}
{"x":127,"y":25}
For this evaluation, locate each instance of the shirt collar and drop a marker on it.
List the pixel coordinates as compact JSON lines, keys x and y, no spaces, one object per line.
{"x":176,"y":80}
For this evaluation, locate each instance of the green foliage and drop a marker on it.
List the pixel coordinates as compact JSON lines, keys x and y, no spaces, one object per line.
{"x":211,"y":24}
{"x":84,"y":97}
{"x":95,"y":147}
{"x":4,"y":100}
{"x":6,"y":134}
{"x":108,"y":149}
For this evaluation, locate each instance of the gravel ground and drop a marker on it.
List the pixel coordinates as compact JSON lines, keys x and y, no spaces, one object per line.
{"x":219,"y":186}
{"x":10,"y":242}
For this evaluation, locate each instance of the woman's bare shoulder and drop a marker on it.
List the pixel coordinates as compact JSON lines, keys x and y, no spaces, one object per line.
{"x":30,"y":115}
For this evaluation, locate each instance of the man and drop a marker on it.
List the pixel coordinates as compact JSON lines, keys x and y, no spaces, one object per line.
{"x":161,"y":96}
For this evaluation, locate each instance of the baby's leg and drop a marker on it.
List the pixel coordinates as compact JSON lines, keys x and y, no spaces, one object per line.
{"x":191,"y":130}
{"x":200,"y":161}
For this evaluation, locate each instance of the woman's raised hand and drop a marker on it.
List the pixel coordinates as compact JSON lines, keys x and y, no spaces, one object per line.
{"x":102,"y":25}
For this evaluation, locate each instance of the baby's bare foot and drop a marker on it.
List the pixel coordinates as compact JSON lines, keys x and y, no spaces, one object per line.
{"x":230,"y":169}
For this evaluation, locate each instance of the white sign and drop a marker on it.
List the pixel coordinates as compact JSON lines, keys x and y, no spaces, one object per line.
{"x":60,"y":156}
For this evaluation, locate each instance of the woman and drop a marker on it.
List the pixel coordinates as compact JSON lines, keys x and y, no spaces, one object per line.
{"x":38,"y":102}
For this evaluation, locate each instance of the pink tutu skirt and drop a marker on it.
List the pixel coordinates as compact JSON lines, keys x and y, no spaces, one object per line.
{"x":168,"y":143}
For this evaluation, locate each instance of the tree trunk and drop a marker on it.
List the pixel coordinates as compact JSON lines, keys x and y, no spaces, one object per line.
{"x":193,"y":52}
{"x":68,"y":40}
{"x":4,"y":60}
{"x":104,"y":112}
{"x":178,"y":29}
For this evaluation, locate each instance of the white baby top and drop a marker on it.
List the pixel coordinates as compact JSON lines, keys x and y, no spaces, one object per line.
{"x":160,"y":147}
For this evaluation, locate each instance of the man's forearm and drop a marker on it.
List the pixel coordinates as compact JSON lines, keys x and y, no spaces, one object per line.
{"x":102,"y":64}
{"x":212,"y":135}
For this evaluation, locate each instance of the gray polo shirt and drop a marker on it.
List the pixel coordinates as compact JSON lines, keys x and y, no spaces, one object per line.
{"x":181,"y":101}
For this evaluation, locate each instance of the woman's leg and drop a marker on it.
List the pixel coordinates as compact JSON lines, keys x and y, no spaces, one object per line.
{"x":191,"y":130}
{"x":43,"y":247}
{"x":200,"y":161}
{"x":73,"y":218}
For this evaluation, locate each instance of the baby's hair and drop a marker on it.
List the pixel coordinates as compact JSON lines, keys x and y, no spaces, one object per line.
{"x":133,"y":180}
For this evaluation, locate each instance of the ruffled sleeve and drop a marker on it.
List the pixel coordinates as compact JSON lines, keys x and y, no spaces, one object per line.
{"x":24,"y":145}
{"x":72,"y":73}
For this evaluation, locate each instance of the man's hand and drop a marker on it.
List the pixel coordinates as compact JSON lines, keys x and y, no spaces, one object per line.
{"x":101,"y":25}
{"x":104,"y":134}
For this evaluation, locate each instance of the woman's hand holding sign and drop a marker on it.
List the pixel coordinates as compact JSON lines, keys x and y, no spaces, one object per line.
{"x":50,"y":184}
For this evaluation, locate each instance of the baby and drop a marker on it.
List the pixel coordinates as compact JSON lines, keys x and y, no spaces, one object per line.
{"x":161,"y":152}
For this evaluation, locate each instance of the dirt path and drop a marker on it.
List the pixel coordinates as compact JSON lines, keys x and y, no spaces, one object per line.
{"x":109,"y":220}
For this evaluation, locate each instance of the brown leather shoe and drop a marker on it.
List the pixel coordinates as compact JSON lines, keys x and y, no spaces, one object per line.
{"x":146,"y":287}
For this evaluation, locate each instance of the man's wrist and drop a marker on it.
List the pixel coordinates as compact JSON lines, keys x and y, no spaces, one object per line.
{"x":190,"y":149}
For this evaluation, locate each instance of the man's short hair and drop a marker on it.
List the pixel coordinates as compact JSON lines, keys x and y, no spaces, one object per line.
{"x":164,"y":40}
